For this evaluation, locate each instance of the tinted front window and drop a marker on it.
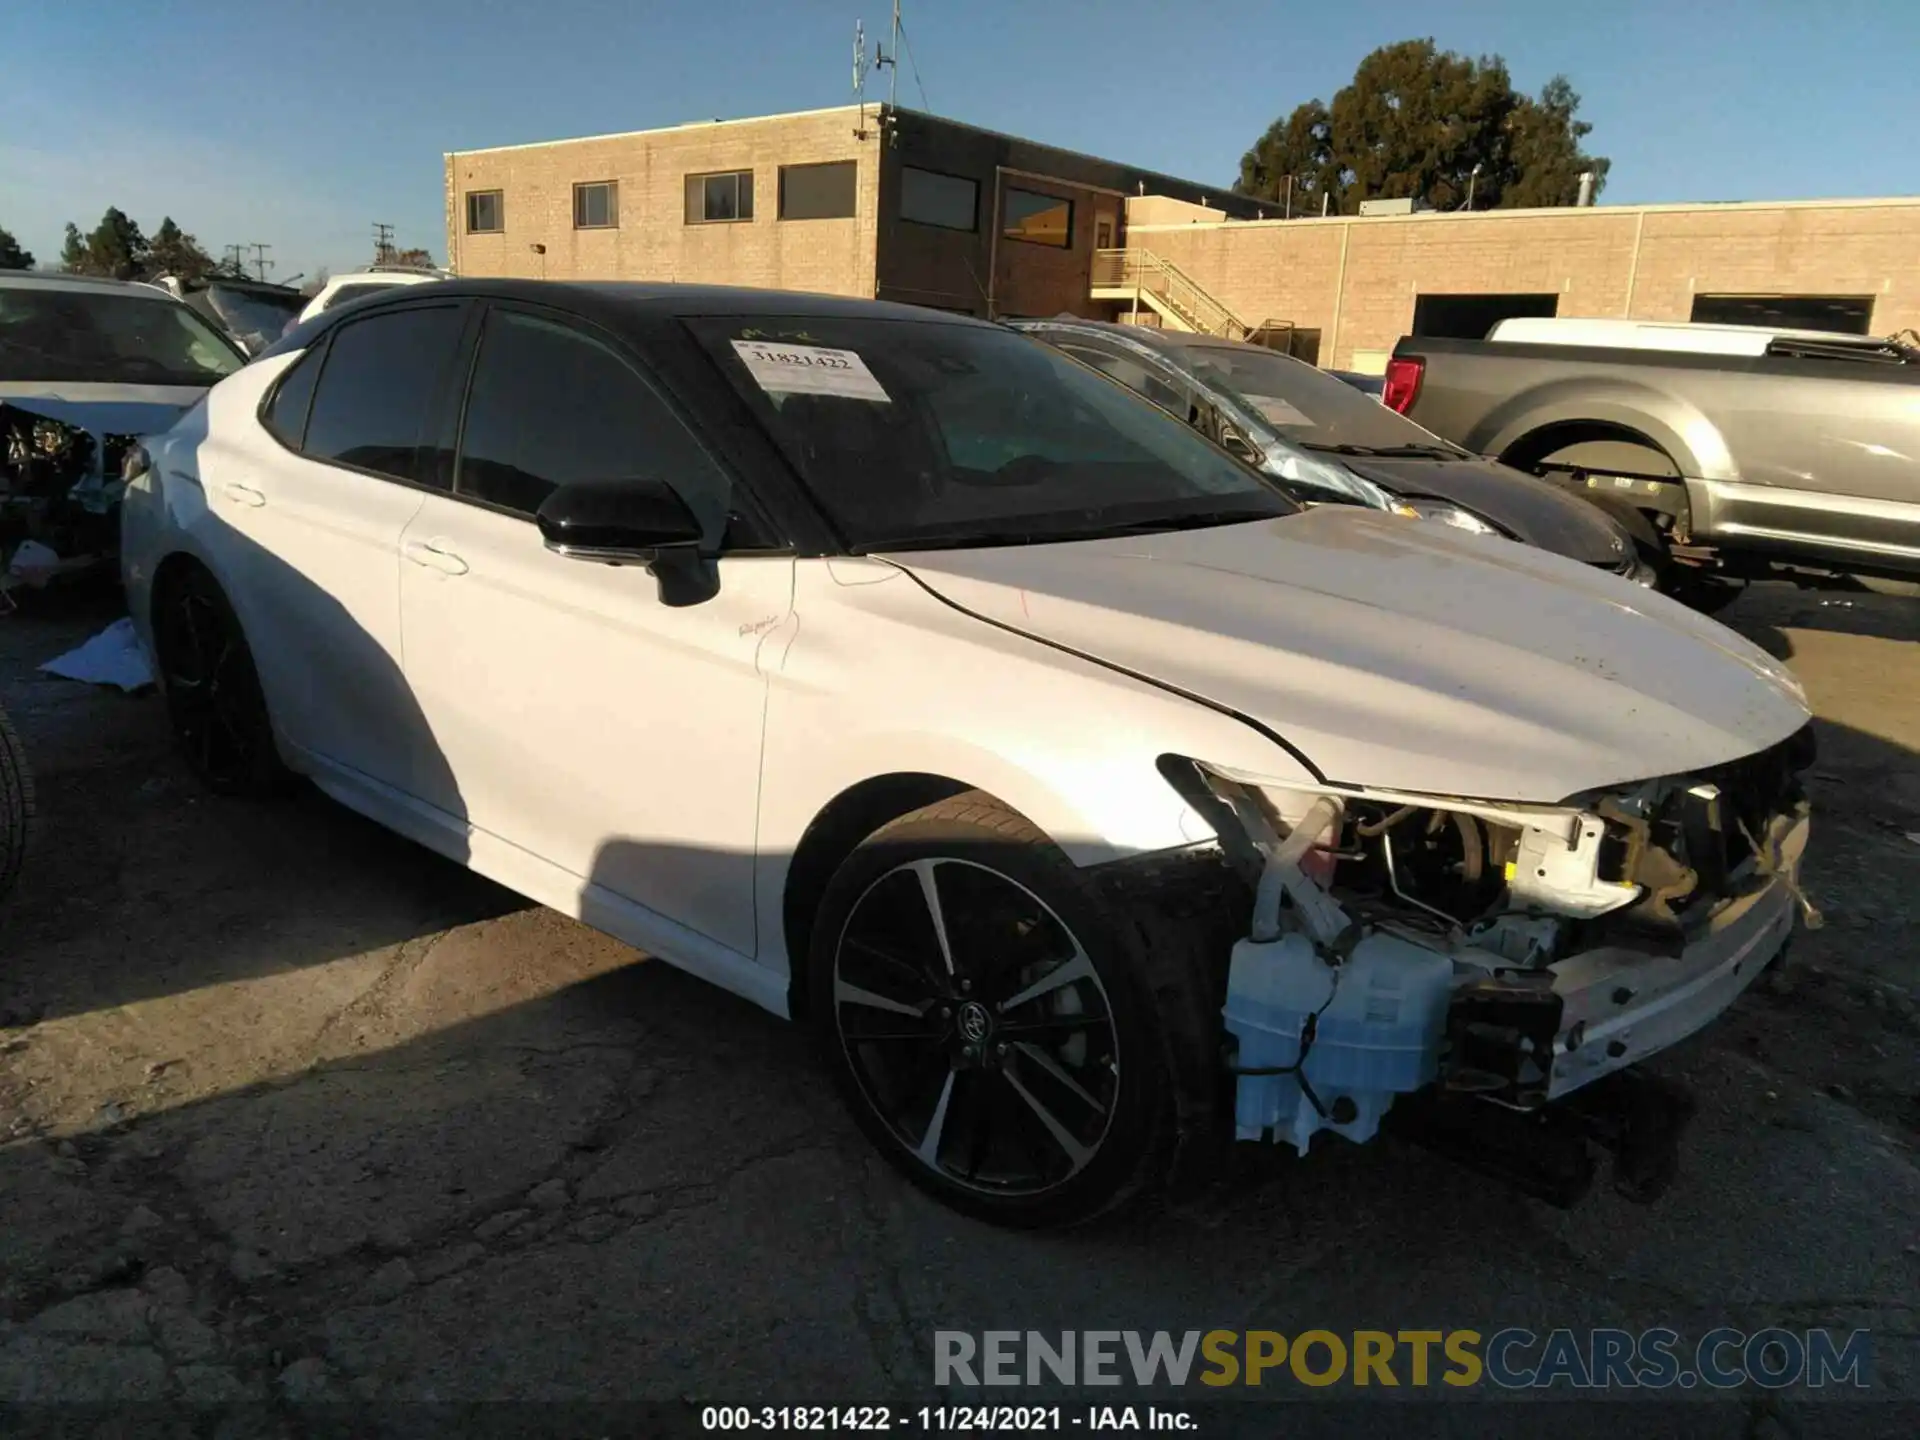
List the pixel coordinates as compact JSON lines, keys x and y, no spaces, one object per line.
{"x":379,"y":392}
{"x":101,"y":337}
{"x":917,"y":433}
{"x":550,"y":406}
{"x":1301,"y":403}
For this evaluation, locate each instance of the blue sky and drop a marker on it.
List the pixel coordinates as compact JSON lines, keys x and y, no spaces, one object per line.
{"x":298,"y":124}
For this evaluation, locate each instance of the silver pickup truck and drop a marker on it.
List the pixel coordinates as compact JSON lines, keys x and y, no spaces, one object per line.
{"x":1752,"y":451}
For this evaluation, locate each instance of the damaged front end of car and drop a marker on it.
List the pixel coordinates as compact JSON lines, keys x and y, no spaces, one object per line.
{"x":1492,"y":972}
{"x":62,"y":467}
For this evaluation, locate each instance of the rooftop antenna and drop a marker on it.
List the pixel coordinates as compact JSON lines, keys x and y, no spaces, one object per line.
{"x":890,"y":57}
{"x":860,"y":77}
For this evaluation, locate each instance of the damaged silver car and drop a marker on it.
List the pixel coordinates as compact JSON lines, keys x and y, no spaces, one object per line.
{"x":87,"y":366}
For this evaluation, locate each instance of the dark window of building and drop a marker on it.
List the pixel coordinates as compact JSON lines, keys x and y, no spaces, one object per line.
{"x":1304,"y":345}
{"x":712,"y":198}
{"x":1103,"y":235}
{"x":286,"y":414}
{"x":486,"y":211}
{"x":550,"y":407}
{"x":596,"y":205}
{"x":377,"y":396}
{"x":929,"y":198}
{"x":1842,"y":314}
{"x":1041,"y":219}
{"x":1469,"y":317}
{"x":817,"y":192}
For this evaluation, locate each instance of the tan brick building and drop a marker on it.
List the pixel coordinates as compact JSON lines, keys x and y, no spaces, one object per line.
{"x":870,"y":201}
{"x":1362,"y":283}
{"x":880,"y":201}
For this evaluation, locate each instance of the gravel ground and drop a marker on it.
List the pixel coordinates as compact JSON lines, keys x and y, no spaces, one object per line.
{"x":291,"y":1110}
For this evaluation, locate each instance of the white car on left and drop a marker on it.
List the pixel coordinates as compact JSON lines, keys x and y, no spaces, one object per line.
{"x":86,"y":367}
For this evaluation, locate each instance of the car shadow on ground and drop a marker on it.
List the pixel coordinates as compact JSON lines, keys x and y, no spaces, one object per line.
{"x":142,"y":885}
{"x":499,"y":1157}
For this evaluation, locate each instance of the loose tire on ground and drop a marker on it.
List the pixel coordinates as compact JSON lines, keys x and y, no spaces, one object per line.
{"x":1027,"y":1084}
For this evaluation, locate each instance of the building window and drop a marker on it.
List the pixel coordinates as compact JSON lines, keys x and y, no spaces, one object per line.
{"x":1470,"y":317}
{"x":712,"y":198}
{"x":486,"y":212}
{"x":817,"y":192}
{"x":1842,"y":314}
{"x":596,"y":206}
{"x":1039,"y":219}
{"x":930,"y":198}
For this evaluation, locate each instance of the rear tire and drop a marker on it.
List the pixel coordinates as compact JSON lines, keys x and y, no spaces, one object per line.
{"x":987,"y":1020}
{"x":16,"y":805}
{"x":214,"y":700}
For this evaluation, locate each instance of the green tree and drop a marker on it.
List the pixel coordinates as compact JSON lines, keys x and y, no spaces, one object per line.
{"x":174,"y":252}
{"x":12,"y":256}
{"x":1414,"y":123}
{"x":73,"y":253}
{"x":115,"y":248}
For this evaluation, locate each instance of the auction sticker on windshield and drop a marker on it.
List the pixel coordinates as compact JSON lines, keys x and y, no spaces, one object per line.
{"x":1278,"y":411}
{"x":809,"y":370}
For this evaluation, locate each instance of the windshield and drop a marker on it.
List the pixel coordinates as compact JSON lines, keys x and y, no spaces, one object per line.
{"x":922,"y":433}
{"x":255,"y":319}
{"x":1306,"y":405}
{"x":100,"y":337}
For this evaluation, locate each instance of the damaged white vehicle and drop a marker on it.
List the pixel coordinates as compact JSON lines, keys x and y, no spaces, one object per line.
{"x":1093,"y":800}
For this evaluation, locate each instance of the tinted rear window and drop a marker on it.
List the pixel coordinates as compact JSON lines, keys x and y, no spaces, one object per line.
{"x":379,"y":391}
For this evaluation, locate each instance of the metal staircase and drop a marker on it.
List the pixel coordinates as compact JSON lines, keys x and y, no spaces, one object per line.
{"x":1141,"y":276}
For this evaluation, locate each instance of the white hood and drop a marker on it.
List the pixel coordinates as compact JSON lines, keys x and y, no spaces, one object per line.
{"x":1398,"y":654}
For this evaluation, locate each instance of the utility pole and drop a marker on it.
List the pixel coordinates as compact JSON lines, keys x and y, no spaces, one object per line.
{"x":382,"y":243}
{"x":235,"y":263}
{"x":892,"y":58}
{"x":260,"y":262}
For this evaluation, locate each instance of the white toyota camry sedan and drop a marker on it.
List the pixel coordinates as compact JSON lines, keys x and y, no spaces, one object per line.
{"x":1095,"y":801}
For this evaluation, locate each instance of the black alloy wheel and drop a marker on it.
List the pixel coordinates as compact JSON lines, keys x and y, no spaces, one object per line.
{"x":214,"y":701}
{"x":16,"y":805}
{"x":982,"y":1019}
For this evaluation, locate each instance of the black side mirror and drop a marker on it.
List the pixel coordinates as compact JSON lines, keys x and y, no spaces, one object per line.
{"x":632,"y":522}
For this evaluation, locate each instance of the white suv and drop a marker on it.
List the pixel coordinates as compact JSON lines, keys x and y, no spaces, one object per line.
{"x":357,"y":283}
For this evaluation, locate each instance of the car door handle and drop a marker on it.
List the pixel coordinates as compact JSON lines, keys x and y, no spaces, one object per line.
{"x":431,"y":554}
{"x":244,"y":494}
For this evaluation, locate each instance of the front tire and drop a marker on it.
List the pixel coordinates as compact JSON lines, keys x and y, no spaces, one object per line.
{"x":16,"y":805}
{"x":214,"y":700}
{"x":986,"y":1021}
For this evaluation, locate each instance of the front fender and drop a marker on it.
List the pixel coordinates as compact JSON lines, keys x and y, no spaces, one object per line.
{"x":882,"y":678}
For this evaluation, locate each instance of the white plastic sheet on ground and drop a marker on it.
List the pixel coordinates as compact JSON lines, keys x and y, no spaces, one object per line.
{"x":113,"y":657}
